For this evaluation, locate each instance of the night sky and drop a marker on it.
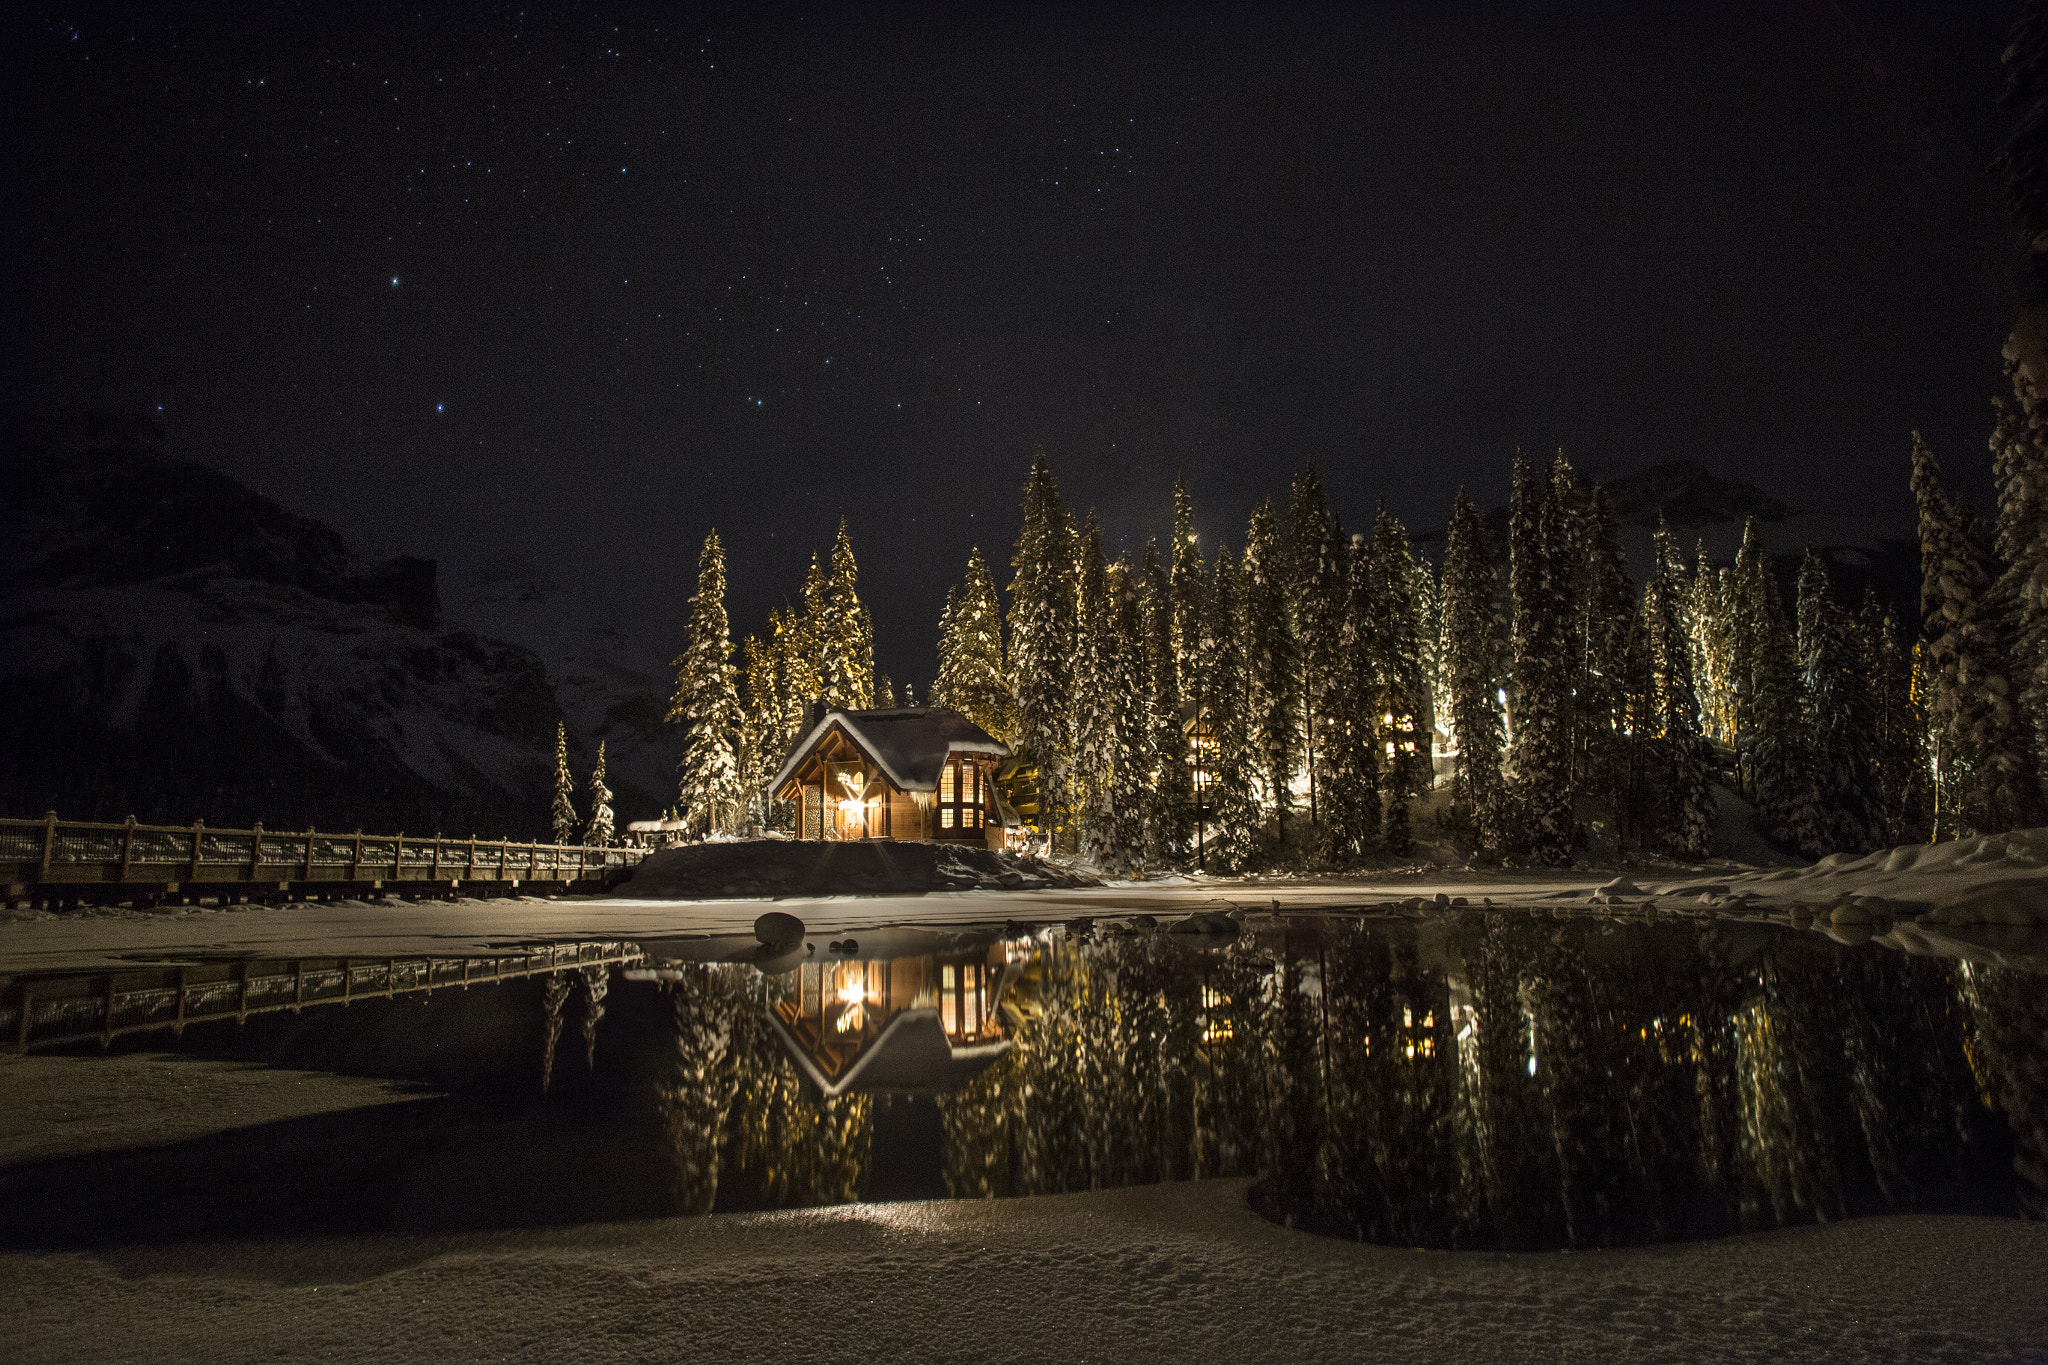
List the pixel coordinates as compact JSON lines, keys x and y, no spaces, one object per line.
{"x":553,"y":292}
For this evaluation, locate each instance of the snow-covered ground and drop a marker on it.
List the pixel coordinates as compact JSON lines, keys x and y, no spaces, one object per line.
{"x":1940,"y":897}
{"x":1171,"y":1272}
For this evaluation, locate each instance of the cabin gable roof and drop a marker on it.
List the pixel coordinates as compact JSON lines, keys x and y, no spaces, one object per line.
{"x":909,"y":744}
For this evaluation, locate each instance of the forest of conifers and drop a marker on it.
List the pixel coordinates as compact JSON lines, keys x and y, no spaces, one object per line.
{"x":1303,"y":699}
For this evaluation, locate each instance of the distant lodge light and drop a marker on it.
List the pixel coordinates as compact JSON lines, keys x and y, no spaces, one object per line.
{"x":923,"y":772}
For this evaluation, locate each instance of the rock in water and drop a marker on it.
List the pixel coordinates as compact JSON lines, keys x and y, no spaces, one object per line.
{"x":778,"y":930}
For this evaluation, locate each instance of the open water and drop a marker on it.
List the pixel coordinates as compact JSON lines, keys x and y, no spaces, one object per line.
{"x":1479,"y":1081}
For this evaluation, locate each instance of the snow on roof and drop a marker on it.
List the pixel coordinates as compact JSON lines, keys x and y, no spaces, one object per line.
{"x":909,"y":743}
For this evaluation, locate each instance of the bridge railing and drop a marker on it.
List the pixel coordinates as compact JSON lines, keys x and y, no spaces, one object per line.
{"x":50,"y":852}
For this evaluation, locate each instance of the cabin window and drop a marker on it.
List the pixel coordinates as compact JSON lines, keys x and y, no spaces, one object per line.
{"x":960,"y":794}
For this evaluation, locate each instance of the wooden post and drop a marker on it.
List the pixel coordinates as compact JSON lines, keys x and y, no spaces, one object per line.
{"x":532,"y":861}
{"x":28,"y":1008}
{"x":49,"y":843}
{"x":298,"y":984}
{"x":307,"y":876}
{"x":355,"y":859}
{"x":127,"y":847}
{"x":436,"y":875}
{"x":397,"y":855}
{"x":242,"y":998}
{"x":255,"y":849}
{"x":107,"y":1016}
{"x":347,"y":981}
{"x":198,"y":835}
{"x":178,"y":1026}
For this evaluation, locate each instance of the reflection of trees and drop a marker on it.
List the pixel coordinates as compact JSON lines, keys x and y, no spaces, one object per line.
{"x":734,"y":1097}
{"x":2009,"y":1057}
{"x":1134,"y":1061}
{"x":1520,"y":1083}
{"x":554,"y":994}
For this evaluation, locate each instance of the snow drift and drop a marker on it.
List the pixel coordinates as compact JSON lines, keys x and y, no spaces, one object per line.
{"x":1991,"y":879}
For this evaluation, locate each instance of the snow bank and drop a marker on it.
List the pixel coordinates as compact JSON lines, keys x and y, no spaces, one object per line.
{"x":875,"y":867}
{"x":1993,"y":879}
{"x":1164,"y":1273}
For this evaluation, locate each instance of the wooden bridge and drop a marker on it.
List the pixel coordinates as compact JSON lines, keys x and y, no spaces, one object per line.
{"x":51,"y":1011}
{"x":58,"y":863}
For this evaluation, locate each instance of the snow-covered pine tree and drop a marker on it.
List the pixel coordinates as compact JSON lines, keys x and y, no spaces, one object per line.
{"x":760,"y":744}
{"x":1712,"y":648}
{"x":1570,"y":551}
{"x":1190,"y":615}
{"x":1472,"y":672}
{"x":1121,"y":820}
{"x":816,"y":629}
{"x":1841,"y":719}
{"x":885,"y":692}
{"x":1397,"y":668}
{"x":563,"y":816}
{"x":1540,"y":761}
{"x":1232,"y":803}
{"x":1606,"y":615}
{"x":1095,"y":702}
{"x":1315,"y":593}
{"x":974,"y":676}
{"x":1770,"y":706}
{"x":600,"y":833}
{"x":2019,"y":447}
{"x":1352,"y":794}
{"x":1168,"y":808}
{"x":846,"y":655}
{"x":1899,"y":728}
{"x":706,"y":703}
{"x":1983,"y":778}
{"x":1683,"y":776}
{"x":1044,"y":625}
{"x":1272,"y":662}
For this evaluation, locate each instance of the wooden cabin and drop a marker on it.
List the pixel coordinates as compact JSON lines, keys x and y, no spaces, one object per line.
{"x":923,"y":772}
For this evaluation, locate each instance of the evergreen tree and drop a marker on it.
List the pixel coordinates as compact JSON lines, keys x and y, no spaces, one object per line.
{"x":1712,"y":649}
{"x":1352,"y":796}
{"x":1570,"y":548}
{"x":885,"y":692}
{"x":600,"y":834}
{"x":1685,"y":812}
{"x":818,"y":627}
{"x":1606,"y":617}
{"x":1770,"y":704}
{"x":1982,"y":783}
{"x":707,"y":704}
{"x":761,"y":742}
{"x":1540,"y":760}
{"x":1472,"y":671}
{"x":1096,"y":675}
{"x":563,"y":816}
{"x":1232,"y":804}
{"x":1316,"y":602}
{"x":1841,"y":718}
{"x":1120,"y":822}
{"x":2019,"y":446}
{"x":974,"y":676}
{"x":1189,"y":583}
{"x":846,"y":635}
{"x":1169,"y":806}
{"x":1272,"y":664}
{"x":1044,"y":625}
{"x":1403,"y":702}
{"x":1899,"y":728}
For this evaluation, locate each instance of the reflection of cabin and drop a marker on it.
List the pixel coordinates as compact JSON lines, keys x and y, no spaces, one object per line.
{"x":923,"y":772}
{"x":914,"y":1025}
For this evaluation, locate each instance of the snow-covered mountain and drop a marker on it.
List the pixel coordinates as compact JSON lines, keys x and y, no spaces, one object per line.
{"x":174,"y":645}
{"x":611,"y":686}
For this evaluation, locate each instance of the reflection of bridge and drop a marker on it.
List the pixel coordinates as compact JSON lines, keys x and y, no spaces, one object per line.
{"x":50,"y":1011}
{"x":60,"y":863}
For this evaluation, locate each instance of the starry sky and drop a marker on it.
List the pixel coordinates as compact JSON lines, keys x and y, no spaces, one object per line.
{"x":551,"y":292}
